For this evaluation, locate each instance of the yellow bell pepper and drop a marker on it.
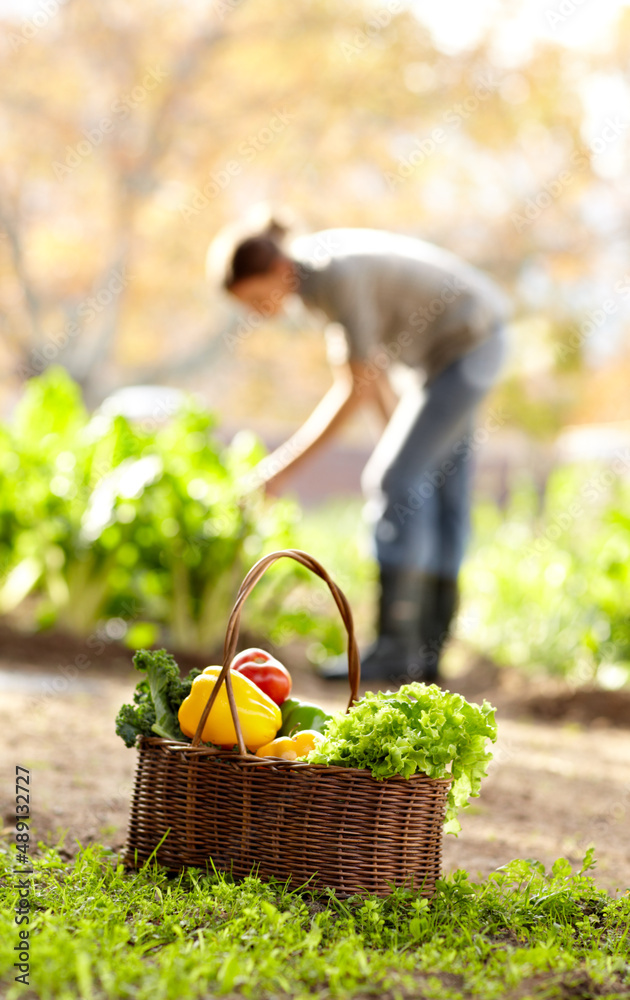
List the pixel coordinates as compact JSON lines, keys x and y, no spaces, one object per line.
{"x":259,"y":716}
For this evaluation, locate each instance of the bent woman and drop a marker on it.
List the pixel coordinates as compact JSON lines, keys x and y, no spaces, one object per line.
{"x":396,"y":299}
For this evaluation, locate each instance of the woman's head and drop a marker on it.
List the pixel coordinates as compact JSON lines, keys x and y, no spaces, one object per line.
{"x":257,"y":271}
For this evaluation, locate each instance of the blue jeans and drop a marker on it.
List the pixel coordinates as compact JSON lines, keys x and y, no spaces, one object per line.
{"x":418,"y":479}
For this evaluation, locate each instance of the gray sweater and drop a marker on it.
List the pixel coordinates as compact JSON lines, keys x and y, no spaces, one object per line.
{"x":422,"y":304}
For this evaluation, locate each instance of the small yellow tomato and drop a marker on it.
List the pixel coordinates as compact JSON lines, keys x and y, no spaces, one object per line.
{"x":283,"y":747}
{"x":306,"y":741}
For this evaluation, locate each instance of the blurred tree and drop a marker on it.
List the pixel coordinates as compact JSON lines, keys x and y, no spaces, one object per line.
{"x":131,"y":133}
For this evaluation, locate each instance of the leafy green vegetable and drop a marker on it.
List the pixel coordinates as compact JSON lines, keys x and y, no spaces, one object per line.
{"x":134,"y":720}
{"x":546,"y":590}
{"x":156,"y":698}
{"x":417,"y":729}
{"x":142,"y":521}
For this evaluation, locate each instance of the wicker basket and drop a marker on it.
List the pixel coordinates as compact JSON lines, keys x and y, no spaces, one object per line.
{"x":337,"y":827}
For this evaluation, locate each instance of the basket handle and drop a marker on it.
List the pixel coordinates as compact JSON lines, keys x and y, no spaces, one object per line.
{"x":233,"y":626}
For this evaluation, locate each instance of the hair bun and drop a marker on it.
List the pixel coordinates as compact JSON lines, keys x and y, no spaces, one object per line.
{"x":275,"y":230}
{"x":278,"y":225}
{"x":260,"y":221}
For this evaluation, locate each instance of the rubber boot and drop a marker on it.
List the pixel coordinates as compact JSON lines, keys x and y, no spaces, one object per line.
{"x":395,"y":653}
{"x":438,"y":603}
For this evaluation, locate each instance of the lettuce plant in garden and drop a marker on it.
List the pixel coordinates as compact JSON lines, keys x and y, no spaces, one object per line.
{"x":101,"y":517}
{"x":548,"y":589}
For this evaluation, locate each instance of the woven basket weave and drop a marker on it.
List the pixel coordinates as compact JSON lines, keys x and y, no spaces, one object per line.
{"x":335,"y":826}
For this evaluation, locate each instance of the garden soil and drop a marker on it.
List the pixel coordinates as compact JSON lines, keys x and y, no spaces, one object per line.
{"x":560,"y":780}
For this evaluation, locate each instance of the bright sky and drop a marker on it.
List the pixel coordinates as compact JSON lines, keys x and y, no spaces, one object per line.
{"x":457,"y":24}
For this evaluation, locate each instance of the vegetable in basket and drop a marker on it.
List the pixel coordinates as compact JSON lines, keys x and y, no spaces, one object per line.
{"x":291,"y":747}
{"x":263,"y":669}
{"x":300,"y":715}
{"x":258,"y":715}
{"x":418,"y":729}
{"x":156,"y":699}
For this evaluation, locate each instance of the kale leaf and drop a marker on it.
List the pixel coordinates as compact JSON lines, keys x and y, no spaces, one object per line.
{"x":156,"y":699}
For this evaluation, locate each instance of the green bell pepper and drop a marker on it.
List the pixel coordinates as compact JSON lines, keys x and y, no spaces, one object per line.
{"x":300,"y":715}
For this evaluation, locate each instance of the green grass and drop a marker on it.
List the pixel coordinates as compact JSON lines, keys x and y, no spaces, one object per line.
{"x":98,"y":931}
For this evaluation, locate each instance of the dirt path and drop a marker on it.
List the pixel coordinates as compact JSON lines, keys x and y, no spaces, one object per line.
{"x":552,"y":789}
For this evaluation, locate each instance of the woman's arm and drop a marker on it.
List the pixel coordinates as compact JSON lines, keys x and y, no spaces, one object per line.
{"x":353,"y":386}
{"x":384,"y":397}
